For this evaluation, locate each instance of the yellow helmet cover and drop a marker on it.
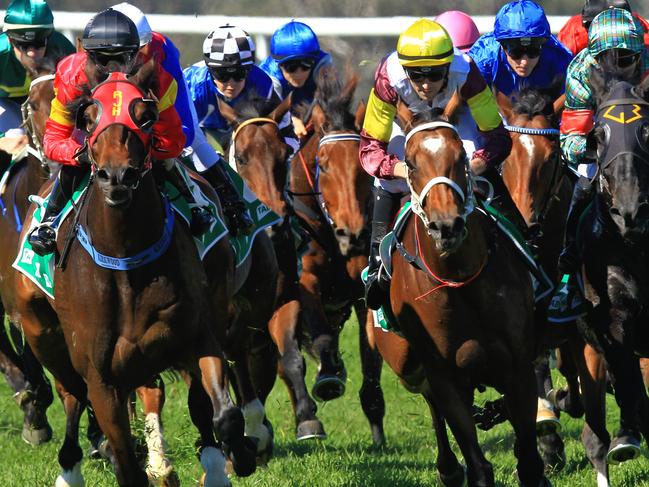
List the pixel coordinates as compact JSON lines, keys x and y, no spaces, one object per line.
{"x":425,"y":43}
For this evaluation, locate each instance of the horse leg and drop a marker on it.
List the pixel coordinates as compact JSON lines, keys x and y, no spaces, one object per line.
{"x":292,"y":369}
{"x":370,"y":393}
{"x":70,"y":453}
{"x":159,"y":468}
{"x":568,"y":399}
{"x":521,"y":401}
{"x":592,"y":378}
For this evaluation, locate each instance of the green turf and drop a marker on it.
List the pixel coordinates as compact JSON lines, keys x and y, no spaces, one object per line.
{"x":345,"y":459}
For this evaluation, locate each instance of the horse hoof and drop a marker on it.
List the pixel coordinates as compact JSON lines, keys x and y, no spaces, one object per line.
{"x":310,"y":429}
{"x":378,"y":436}
{"x":623,"y":447}
{"x":264,"y":456}
{"x":241,"y":450}
{"x":327,"y":388}
{"x":37,"y":437}
{"x":70,"y":478}
{"x":456,"y":479}
{"x":547,"y":422}
{"x":552,"y":452}
{"x":168,"y":478}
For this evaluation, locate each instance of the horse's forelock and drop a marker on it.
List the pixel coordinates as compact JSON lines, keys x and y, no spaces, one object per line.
{"x":335,"y":97}
{"x":532,"y":102}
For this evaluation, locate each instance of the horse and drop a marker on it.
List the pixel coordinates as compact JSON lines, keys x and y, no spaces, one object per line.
{"x":102,"y":341}
{"x":613,"y":235}
{"x":346,"y":197}
{"x":463,"y":301}
{"x":539,"y":186}
{"x":33,"y":391}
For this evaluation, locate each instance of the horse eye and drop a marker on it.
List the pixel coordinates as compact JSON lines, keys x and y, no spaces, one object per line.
{"x":239,"y":159}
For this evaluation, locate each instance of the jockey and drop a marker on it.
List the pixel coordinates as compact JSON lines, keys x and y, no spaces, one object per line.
{"x":111,"y":43}
{"x":424,"y":73}
{"x":574,"y":35}
{"x":28,"y":36}
{"x":614,"y":30}
{"x":521,"y":52}
{"x":294,"y":64}
{"x":460,"y":27}
{"x":227,"y":73}
{"x":235,"y":210}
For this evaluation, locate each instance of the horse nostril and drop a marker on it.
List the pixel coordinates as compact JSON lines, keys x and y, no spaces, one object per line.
{"x":341,"y":232}
{"x":614,"y":211}
{"x":130,"y":177}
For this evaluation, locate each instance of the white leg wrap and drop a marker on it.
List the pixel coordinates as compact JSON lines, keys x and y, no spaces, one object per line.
{"x":158,"y":465}
{"x":70,"y":478}
{"x":213,"y":462}
{"x":254,"y":413}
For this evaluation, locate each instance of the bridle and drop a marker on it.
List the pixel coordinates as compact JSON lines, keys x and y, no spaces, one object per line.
{"x":232,"y":151}
{"x":35,"y":148}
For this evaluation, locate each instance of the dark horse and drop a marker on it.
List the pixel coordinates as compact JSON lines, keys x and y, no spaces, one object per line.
{"x":534,"y":174}
{"x":24,"y":373}
{"x":464,"y":302}
{"x":109,"y":331}
{"x":614,"y":235}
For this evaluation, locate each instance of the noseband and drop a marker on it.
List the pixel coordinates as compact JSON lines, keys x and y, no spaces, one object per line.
{"x":417,"y":199}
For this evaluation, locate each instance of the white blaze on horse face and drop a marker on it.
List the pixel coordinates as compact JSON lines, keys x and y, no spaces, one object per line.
{"x":528,"y":143}
{"x":433,"y":144}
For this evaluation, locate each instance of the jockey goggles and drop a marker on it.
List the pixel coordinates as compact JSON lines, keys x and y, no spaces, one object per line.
{"x":292,"y":65}
{"x":525,"y":46}
{"x":224,"y":75}
{"x":25,"y":45}
{"x":104,"y":58}
{"x":430,"y":73}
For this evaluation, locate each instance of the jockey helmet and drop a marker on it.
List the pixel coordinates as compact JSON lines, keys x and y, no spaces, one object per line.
{"x":615,"y":28}
{"x":294,"y":40}
{"x":111,"y":31}
{"x":593,"y":7}
{"x":460,"y":27}
{"x":28,"y":20}
{"x":425,"y":43}
{"x":228,"y":47}
{"x":139,"y":19}
{"x":521,"y":19}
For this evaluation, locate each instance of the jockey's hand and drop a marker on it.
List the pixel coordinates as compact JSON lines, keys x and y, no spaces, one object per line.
{"x":82,"y":156}
{"x":298,"y":127}
{"x":478,"y":166}
{"x":13,"y":145}
{"x":400,"y":170}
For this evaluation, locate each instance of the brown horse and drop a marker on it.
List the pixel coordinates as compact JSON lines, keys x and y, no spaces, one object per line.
{"x":103,"y":340}
{"x":463,"y":300}
{"x":346,"y":197}
{"x":534,"y":174}
{"x":33,"y":392}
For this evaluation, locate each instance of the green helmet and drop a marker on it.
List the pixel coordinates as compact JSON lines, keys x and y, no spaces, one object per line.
{"x":28,"y":20}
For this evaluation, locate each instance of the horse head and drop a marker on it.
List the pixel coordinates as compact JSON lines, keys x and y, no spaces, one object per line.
{"x":118,"y":119}
{"x":258,"y":148}
{"x":619,"y":142}
{"x":438,"y":176}
{"x":345,"y":186}
{"x":533,"y":169}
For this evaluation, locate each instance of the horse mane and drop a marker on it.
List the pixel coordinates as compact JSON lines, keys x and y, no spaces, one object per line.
{"x":532,"y":102}
{"x":334,"y":95}
{"x":434,"y":115}
{"x":253,"y":106}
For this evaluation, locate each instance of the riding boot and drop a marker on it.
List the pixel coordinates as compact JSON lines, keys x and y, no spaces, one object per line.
{"x":377,"y":286}
{"x":503,"y":202}
{"x":43,"y":237}
{"x":235,"y":210}
{"x":201,"y":217}
{"x":581,"y":196}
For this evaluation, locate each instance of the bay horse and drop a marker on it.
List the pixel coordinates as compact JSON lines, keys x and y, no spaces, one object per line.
{"x":466,"y":306}
{"x":535,"y":176}
{"x":25,"y":375}
{"x":346,"y":198}
{"x":613,"y":235}
{"x":102,"y":341}
{"x":258,"y":153}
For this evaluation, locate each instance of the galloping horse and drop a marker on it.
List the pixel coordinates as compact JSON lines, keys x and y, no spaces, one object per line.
{"x":346,"y":198}
{"x":111,"y":328}
{"x":24,"y":372}
{"x":463,"y":301}
{"x":534,"y":175}
{"x":613,"y":235}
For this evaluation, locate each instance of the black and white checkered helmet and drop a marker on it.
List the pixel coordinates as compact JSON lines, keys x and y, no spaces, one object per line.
{"x":227,"y":47}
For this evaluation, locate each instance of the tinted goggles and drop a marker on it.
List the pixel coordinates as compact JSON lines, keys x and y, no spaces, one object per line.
{"x":226,"y":74}
{"x":25,"y":45}
{"x":517,"y":51}
{"x":294,"y":64}
{"x":429,"y":73}
{"x":627,"y":60}
{"x":104,"y":58}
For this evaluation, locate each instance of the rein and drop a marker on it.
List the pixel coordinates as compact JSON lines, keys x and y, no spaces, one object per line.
{"x":35,"y":148}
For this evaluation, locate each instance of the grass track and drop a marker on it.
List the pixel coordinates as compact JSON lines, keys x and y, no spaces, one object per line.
{"x":345,"y":459}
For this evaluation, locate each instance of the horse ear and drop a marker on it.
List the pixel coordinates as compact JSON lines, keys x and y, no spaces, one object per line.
{"x":229,"y":113}
{"x":504,"y":104}
{"x":359,"y":117}
{"x":643,"y":89}
{"x":350,"y":85}
{"x":557,"y":106}
{"x":79,"y":45}
{"x":597,"y":83}
{"x":318,"y":117}
{"x":405,"y":115}
{"x":278,"y":113}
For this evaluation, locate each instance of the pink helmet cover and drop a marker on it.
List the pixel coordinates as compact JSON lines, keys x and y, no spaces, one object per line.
{"x":460,"y":27}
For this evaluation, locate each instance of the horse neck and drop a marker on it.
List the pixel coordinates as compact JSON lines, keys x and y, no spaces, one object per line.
{"x":123,"y":232}
{"x":34,"y":175}
{"x":303,"y":172}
